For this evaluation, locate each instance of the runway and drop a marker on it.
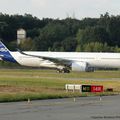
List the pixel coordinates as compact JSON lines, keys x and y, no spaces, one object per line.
{"x":82,"y":108}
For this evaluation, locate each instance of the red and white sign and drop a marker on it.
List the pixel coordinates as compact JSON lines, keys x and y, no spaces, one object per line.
{"x":96,"y":88}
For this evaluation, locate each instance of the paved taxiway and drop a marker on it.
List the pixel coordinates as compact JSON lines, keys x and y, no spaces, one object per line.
{"x":83,"y":108}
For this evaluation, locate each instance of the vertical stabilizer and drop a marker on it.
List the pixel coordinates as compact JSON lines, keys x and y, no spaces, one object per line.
{"x":5,"y":53}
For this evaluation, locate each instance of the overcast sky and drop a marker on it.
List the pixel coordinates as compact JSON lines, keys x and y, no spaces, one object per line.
{"x":61,"y":8}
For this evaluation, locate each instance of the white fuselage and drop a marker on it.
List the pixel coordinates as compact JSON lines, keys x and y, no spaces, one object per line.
{"x":106,"y":60}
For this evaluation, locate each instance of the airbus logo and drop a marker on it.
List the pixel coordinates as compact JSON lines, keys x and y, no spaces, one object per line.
{"x":3,"y":50}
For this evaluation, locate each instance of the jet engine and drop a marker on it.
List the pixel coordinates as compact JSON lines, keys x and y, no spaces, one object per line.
{"x":81,"y":66}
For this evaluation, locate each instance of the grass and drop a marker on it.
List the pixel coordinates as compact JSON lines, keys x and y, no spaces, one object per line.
{"x":21,"y":84}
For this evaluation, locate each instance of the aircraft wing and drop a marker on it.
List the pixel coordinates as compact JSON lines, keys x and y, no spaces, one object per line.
{"x":57,"y":61}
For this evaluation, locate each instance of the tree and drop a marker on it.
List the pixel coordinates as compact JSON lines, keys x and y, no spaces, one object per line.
{"x":56,"y":46}
{"x":50,"y":34}
{"x":69,"y":44}
{"x":78,"y":48}
{"x":96,"y":47}
{"x":92,"y":34}
{"x":114,"y":31}
{"x":63,"y":35}
{"x":28,"y":45}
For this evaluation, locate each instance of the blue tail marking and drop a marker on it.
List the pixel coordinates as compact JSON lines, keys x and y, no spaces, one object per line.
{"x":5,"y":53}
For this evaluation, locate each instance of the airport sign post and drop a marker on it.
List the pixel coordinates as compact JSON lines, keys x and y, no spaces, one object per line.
{"x":84,"y":88}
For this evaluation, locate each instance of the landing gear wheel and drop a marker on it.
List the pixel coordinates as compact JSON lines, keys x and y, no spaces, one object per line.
{"x":65,"y":70}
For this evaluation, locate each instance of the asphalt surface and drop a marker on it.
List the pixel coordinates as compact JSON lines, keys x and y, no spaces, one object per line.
{"x":83,"y":108}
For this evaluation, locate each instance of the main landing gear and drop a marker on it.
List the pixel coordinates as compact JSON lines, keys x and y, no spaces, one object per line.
{"x":64,"y":70}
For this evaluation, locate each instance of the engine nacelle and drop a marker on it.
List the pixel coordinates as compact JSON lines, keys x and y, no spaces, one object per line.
{"x":81,"y":66}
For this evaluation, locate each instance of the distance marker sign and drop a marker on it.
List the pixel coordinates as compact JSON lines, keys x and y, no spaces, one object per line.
{"x":92,"y":88}
{"x":96,"y":88}
{"x":86,"y":88}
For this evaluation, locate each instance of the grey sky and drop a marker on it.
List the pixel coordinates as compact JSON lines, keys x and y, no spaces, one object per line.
{"x":60,"y":8}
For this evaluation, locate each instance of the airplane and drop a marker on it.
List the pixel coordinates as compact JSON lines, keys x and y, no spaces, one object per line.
{"x":61,"y":61}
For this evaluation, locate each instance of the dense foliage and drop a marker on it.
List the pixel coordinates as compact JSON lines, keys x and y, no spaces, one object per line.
{"x":89,"y":34}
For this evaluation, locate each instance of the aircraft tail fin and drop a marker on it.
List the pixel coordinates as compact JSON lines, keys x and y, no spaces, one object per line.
{"x":3,"y":49}
{"x":5,"y":54}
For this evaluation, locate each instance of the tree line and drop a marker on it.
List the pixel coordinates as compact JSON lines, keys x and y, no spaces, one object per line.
{"x":89,"y":34}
